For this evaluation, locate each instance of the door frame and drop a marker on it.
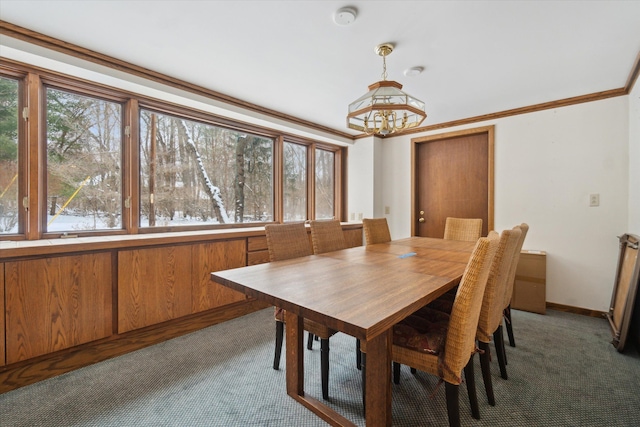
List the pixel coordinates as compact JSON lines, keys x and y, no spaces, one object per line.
{"x":490,"y":131}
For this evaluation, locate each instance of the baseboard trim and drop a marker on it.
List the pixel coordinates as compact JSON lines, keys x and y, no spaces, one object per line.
{"x":575,"y":310}
{"x":47,"y":366}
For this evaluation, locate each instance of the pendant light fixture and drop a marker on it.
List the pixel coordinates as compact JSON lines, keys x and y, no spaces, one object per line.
{"x":385,"y":109}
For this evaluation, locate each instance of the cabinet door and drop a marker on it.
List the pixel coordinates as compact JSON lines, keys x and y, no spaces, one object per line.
{"x":56,"y":303}
{"x":154,"y":285}
{"x":353,"y":237}
{"x":2,"y":359}
{"x":215,"y":256}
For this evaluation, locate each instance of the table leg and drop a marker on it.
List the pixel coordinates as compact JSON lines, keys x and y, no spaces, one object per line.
{"x":295,"y":356}
{"x":378,"y":380}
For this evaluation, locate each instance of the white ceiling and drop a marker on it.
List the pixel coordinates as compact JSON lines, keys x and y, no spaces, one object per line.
{"x":479,"y":57}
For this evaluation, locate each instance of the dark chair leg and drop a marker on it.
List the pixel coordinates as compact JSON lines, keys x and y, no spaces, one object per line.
{"x":279,"y":336}
{"x":453,"y":405}
{"x":396,"y":373}
{"x":310,"y":341}
{"x":324,"y":366}
{"x":485,"y":357}
{"x":358,"y":355}
{"x":500,"y":351}
{"x":469,"y":376}
{"x":507,"y":315}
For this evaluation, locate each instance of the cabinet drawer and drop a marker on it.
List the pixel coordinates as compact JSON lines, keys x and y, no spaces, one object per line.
{"x":258,"y":243}
{"x":257,"y":257}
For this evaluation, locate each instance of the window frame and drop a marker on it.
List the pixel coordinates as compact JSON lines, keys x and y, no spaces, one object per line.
{"x":32,"y":153}
{"x":101,"y":94}
{"x":194,"y":116}
{"x":23,"y":158}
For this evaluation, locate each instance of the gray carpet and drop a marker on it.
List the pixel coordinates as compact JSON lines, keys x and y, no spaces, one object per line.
{"x":564,"y":372}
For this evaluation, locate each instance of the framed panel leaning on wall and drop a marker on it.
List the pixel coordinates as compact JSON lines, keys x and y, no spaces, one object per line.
{"x":624,"y":291}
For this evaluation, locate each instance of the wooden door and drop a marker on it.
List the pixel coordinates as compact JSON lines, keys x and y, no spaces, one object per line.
{"x":452,"y":176}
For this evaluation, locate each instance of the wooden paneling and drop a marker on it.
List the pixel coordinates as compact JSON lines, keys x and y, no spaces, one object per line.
{"x":61,"y":307}
{"x":258,"y":257}
{"x":2,"y":358}
{"x":154,"y":285}
{"x":50,"y":365}
{"x":215,"y":256}
{"x":257,"y":252}
{"x":56,"y":303}
{"x":353,"y":237}
{"x":258,"y":243}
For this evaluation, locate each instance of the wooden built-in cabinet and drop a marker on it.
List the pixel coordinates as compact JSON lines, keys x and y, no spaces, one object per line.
{"x":2,"y":350}
{"x":353,"y":236}
{"x":215,"y":256}
{"x":56,"y":303}
{"x":67,"y":303}
{"x":154,"y":285}
{"x":165,"y":283}
{"x":257,"y":252}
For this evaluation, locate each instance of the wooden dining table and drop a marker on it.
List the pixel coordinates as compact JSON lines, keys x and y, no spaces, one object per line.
{"x":361,"y":291}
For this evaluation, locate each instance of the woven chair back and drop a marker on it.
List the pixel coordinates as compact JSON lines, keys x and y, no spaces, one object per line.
{"x":327,"y":236}
{"x":463,"y":323}
{"x":491,"y":312}
{"x":467,"y":229}
{"x":376,"y":230}
{"x":524,"y":228}
{"x":286,"y":241}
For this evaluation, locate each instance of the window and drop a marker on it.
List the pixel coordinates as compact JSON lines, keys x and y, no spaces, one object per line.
{"x":295,"y":182}
{"x":94,"y":160}
{"x":9,"y":199}
{"x":325,"y":184}
{"x":84,"y":163}
{"x":194,"y":173}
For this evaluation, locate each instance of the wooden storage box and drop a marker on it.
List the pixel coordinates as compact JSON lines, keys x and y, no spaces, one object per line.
{"x":529,"y":288}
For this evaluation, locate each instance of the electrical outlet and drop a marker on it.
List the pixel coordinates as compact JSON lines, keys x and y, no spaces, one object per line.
{"x":387,"y":210}
{"x":594,"y":200}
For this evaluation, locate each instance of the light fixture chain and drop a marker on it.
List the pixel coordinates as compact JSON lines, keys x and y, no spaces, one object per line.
{"x":384,"y":67}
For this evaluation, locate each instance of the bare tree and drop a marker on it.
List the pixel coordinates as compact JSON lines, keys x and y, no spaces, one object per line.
{"x":212,"y":190}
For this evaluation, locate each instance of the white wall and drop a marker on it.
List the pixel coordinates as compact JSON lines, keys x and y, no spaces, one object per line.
{"x":546,"y":165}
{"x":634,"y":160}
{"x":361,"y":179}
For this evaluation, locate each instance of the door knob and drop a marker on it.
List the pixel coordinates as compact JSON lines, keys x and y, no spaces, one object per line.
{"x":421,"y":220}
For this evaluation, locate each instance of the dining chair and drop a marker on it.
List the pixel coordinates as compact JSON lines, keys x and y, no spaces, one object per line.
{"x":467,"y":229}
{"x":524,"y":228}
{"x":327,"y":236}
{"x":490,"y":321}
{"x":286,"y":241}
{"x":444,"y":344}
{"x":376,"y":230}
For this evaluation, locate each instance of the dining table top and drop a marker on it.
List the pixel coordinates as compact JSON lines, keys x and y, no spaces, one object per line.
{"x":361,"y":291}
